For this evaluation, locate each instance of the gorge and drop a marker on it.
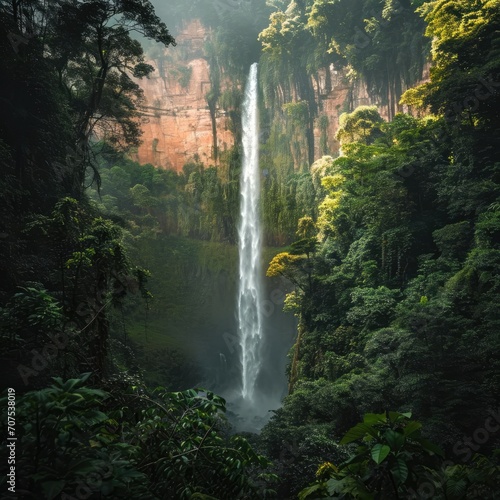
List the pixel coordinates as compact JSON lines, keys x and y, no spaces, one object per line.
{"x":290,"y":288}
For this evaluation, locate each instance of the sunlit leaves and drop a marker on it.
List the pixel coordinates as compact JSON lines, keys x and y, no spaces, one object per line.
{"x":286,"y":264}
{"x":272,"y":36}
{"x":306,"y":228}
{"x":362,"y":125}
{"x":466,"y":57}
{"x":381,"y":42}
{"x":328,"y":208}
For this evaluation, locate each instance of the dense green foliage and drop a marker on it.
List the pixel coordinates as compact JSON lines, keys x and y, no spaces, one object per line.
{"x":393,"y":460}
{"x":77,"y":441}
{"x":66,"y":80}
{"x":69,"y":268}
{"x":201,"y":202}
{"x":394,"y":252}
{"x":380,"y":44}
{"x":397,"y":304}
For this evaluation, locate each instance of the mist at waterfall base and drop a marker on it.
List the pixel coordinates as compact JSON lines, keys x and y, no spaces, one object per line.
{"x":250,"y":414}
{"x":214,"y":347}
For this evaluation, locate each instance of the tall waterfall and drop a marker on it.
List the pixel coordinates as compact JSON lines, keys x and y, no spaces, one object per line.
{"x":249,"y":233}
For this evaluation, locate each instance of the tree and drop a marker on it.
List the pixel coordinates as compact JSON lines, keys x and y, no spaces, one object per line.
{"x":96,"y":58}
{"x":362,"y":125}
{"x":286,"y":265}
{"x":462,"y":86}
{"x":381,"y":42}
{"x":91,"y":270}
{"x":84,"y":58}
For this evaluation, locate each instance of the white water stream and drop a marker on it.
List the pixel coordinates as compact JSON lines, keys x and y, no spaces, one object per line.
{"x":250,"y":327}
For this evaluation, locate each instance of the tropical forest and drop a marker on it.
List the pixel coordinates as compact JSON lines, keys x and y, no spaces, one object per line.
{"x":250,"y":249}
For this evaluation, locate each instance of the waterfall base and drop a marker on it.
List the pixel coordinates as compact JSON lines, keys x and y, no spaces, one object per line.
{"x":250,"y":415}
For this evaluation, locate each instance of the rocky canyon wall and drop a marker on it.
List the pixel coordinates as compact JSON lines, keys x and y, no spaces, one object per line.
{"x":176,"y":120}
{"x":336,"y":95}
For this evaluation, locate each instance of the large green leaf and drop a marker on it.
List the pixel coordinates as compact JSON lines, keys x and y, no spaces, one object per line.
{"x":374,"y":418}
{"x":394,"y":439}
{"x":334,"y":486}
{"x":456,"y":487}
{"x":380,"y":452}
{"x":309,"y":491}
{"x":431,"y":447}
{"x":411,"y":427}
{"x":357,"y":432}
{"x":395,"y":416}
{"x":71,"y":383}
{"x":399,"y":471}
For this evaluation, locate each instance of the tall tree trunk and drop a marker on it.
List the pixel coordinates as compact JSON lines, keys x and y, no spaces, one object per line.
{"x":212,"y":106}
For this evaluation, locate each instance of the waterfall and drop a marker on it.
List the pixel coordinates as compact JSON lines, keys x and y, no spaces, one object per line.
{"x":249,"y":244}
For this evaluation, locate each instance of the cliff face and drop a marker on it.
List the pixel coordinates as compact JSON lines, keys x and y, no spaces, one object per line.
{"x":176,"y":121}
{"x":332,"y":93}
{"x":334,"y":97}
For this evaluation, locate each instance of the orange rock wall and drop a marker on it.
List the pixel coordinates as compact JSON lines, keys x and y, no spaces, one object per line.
{"x":335,"y":96}
{"x":176,"y":122}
